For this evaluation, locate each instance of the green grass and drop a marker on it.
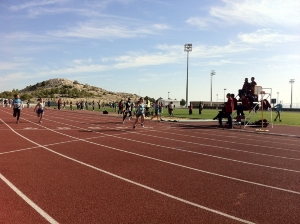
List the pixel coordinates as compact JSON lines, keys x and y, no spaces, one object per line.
{"x":288,"y":118}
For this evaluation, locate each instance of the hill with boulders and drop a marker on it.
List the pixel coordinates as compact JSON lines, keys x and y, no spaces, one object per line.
{"x":68,"y":90}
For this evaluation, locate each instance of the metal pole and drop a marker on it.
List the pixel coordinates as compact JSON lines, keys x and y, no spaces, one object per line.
{"x":187,"y":78}
{"x":224,"y":94}
{"x":188,"y":48}
{"x":211,"y":75}
{"x":292,"y":81}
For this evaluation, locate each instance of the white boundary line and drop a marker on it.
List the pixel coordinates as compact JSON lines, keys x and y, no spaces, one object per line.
{"x":135,"y":183}
{"x":28,"y":201}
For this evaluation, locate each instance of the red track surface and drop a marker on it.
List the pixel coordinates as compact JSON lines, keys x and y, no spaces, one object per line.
{"x":85,"y":167}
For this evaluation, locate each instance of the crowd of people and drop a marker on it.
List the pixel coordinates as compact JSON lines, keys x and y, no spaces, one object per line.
{"x":248,"y":100}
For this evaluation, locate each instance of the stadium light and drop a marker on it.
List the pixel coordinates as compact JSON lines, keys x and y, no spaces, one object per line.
{"x":292,"y":81}
{"x":187,"y":48}
{"x":211,"y":75}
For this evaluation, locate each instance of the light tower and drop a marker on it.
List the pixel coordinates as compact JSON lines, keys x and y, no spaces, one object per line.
{"x":211,"y":75}
{"x":187,"y":48}
{"x":292,"y":81}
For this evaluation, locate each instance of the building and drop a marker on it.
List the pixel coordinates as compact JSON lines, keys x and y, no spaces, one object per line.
{"x":165,"y":102}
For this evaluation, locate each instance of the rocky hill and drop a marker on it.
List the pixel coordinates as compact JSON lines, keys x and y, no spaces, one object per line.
{"x":73,"y":90}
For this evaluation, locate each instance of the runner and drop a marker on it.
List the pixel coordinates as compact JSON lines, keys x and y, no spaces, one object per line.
{"x":127,"y":110}
{"x":39,"y":109}
{"x":140,"y":112}
{"x":17,"y":107}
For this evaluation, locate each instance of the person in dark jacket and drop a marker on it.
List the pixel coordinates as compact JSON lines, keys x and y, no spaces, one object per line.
{"x":228,"y":111}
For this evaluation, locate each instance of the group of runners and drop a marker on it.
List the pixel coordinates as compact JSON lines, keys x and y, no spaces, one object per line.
{"x":17,"y":105}
{"x":141,"y":111}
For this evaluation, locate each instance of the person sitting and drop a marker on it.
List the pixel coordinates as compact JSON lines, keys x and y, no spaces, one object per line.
{"x":234,"y":101}
{"x":221,"y":113}
{"x":246,"y":86}
{"x":252,"y":86}
{"x":266,"y":104}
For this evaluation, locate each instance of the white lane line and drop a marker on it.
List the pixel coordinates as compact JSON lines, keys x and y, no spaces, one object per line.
{"x":170,"y":163}
{"x":198,"y":153}
{"x":231,"y":143}
{"x":57,"y":143}
{"x":28,"y":201}
{"x":132,"y":182}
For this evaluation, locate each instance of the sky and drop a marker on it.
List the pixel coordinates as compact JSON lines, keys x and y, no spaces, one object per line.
{"x":137,"y":46}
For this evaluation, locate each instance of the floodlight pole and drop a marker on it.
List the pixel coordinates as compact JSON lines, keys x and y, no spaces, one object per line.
{"x":187,"y":48}
{"x":211,"y":75}
{"x":277,"y":97}
{"x":292,"y":81}
{"x":224,"y":95}
{"x":168,"y":95}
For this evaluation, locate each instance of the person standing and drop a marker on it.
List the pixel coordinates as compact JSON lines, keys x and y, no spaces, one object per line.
{"x":120,"y":111}
{"x":190,"y":109}
{"x":39,"y":109}
{"x":71,"y":105}
{"x":278,"y":111}
{"x":200,"y":107}
{"x":171,"y":107}
{"x":156,"y":110}
{"x":17,"y":107}
{"x":59,"y":103}
{"x":99,"y":105}
{"x":93,"y":105}
{"x":147,"y":107}
{"x":228,"y":111}
{"x":140,"y":112}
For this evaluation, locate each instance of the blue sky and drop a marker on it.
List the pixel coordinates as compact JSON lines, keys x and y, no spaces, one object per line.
{"x":137,"y":46}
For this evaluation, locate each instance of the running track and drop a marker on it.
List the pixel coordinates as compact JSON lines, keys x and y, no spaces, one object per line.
{"x":85,"y":167}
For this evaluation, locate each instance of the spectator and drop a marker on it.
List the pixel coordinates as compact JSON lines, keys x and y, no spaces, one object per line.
{"x":200,"y":107}
{"x":228,"y":111}
{"x":278,"y":111}
{"x":243,"y":106}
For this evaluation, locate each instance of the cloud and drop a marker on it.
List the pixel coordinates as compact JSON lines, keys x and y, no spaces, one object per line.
{"x":259,"y":12}
{"x":266,"y":36}
{"x":201,"y":22}
{"x":254,"y":12}
{"x":31,"y":4}
{"x":111,"y":30}
{"x":160,"y":26}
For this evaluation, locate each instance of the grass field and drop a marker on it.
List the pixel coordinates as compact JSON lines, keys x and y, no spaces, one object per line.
{"x":288,"y":118}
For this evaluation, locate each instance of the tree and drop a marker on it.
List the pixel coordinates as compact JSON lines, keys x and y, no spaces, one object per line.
{"x":182,"y":102}
{"x":26,"y":97}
